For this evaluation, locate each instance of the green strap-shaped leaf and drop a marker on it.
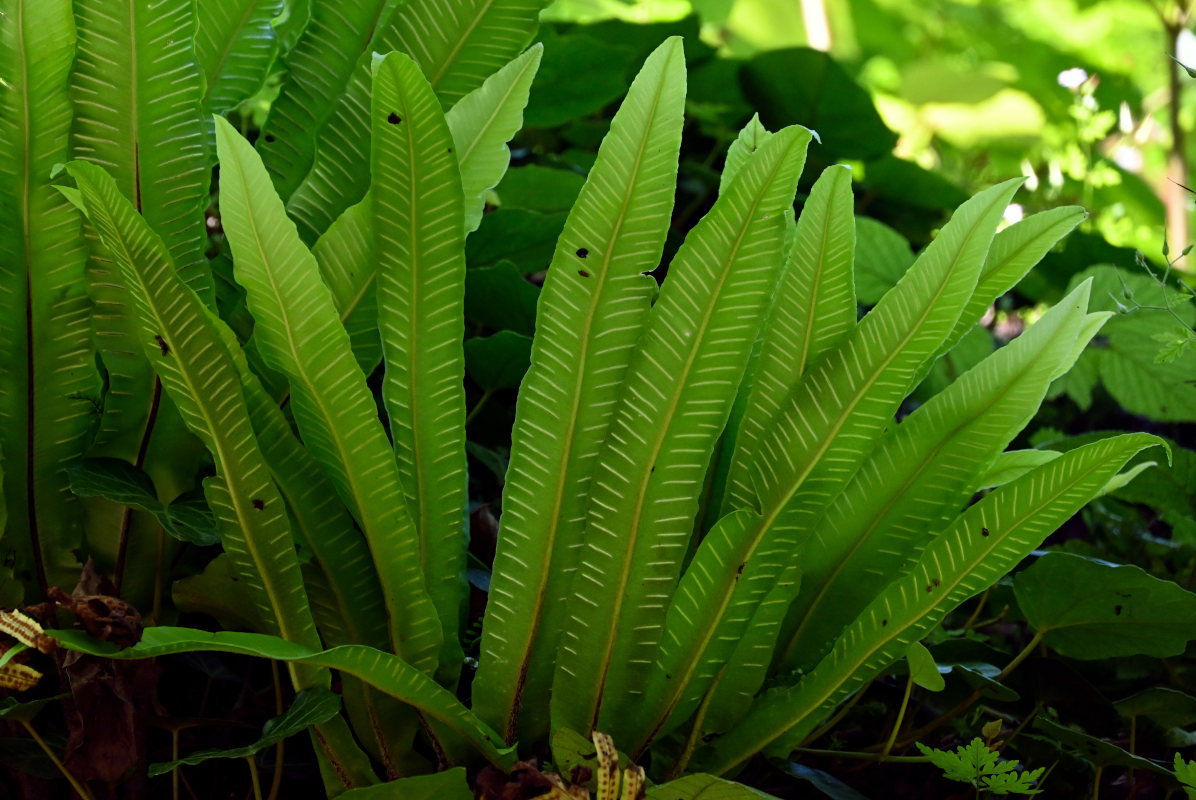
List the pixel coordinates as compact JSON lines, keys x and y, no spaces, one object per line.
{"x":821,"y":436}
{"x":235,"y":46}
{"x":814,"y":309}
{"x":48,"y":385}
{"x":137,"y":89}
{"x":482,"y":123}
{"x":299,"y":334}
{"x":456,"y":43}
{"x":746,"y":143}
{"x":1014,"y":252}
{"x":348,"y":265}
{"x":337,"y":39}
{"x":348,"y":604}
{"x":420,"y":243}
{"x":676,"y":400}
{"x":187,"y":351}
{"x":744,"y":674}
{"x":594,"y":303}
{"x":385,"y":671}
{"x":921,"y":473}
{"x":974,"y":552}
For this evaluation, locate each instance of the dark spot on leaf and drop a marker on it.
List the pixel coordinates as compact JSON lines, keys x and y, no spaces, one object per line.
{"x":929,"y":588}
{"x":583,"y":273}
{"x":394,"y":119}
{"x":162,"y":344}
{"x":582,"y":252}
{"x":450,"y":149}
{"x":270,"y":138}
{"x":936,"y":581}
{"x":1117,"y":610}
{"x":884,"y":622}
{"x":739,"y":571}
{"x":984,"y":531}
{"x":258,"y":504}
{"x":668,"y":677}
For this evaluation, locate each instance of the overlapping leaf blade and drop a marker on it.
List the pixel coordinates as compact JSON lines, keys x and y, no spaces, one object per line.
{"x":188,"y":352}
{"x":977,"y":549}
{"x":675,"y":402}
{"x":456,"y":43}
{"x":594,"y":302}
{"x":235,"y":46}
{"x":821,"y":435}
{"x":46,"y":373}
{"x":419,"y":239}
{"x":814,"y":309}
{"x":482,"y":123}
{"x":336,"y":41}
{"x":299,"y":334}
{"x":385,"y":671}
{"x":922,"y":473}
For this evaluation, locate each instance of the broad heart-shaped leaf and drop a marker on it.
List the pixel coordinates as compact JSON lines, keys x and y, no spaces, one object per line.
{"x":498,"y":361}
{"x":821,"y":436}
{"x":448,"y":785}
{"x":482,"y":123}
{"x":704,"y":787}
{"x":970,"y":555}
{"x":48,"y":385}
{"x":1162,"y":705}
{"x":592,"y":308}
{"x":235,"y":46}
{"x":456,"y":44}
{"x":1090,"y":609}
{"x":181,"y":337}
{"x":675,"y":402}
{"x":420,"y":242}
{"x":187,"y":519}
{"x":922,"y":668}
{"x":299,"y":333}
{"x":335,"y":41}
{"x":814,"y":309}
{"x":919,"y":476}
{"x":310,"y":707}
{"x":385,"y":671}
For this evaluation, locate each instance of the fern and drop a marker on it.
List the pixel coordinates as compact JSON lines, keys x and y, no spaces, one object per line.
{"x":983,"y":768}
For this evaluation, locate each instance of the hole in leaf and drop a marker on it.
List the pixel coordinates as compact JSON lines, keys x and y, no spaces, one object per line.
{"x":258,"y":504}
{"x":394,"y":119}
{"x":582,"y":252}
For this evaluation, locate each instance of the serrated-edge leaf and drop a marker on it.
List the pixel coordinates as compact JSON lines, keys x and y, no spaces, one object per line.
{"x":981,"y":545}
{"x":591,"y":311}
{"x":420,"y":244}
{"x":299,"y":333}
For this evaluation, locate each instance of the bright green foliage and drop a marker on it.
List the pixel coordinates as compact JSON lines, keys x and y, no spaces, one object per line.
{"x":420,"y":242}
{"x":983,"y":768}
{"x":1186,"y":772}
{"x":47,"y":387}
{"x":594,"y":304}
{"x":730,"y":503}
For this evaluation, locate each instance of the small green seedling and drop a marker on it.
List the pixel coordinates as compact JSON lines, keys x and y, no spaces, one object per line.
{"x":980,"y":766}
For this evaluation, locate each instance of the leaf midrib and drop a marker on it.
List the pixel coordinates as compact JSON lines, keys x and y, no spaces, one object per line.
{"x":663,"y":429}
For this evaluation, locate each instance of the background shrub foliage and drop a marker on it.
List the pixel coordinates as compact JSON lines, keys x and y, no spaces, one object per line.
{"x":404,"y":348}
